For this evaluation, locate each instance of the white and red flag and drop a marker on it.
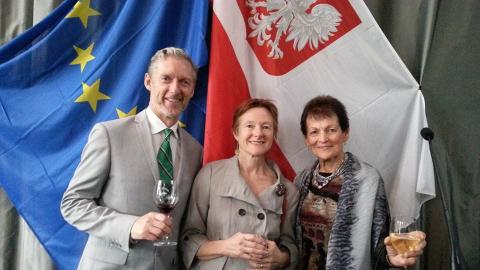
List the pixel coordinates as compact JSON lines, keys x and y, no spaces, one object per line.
{"x":290,"y":51}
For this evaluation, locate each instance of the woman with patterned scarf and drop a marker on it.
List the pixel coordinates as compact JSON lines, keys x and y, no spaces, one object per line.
{"x":343,"y":215}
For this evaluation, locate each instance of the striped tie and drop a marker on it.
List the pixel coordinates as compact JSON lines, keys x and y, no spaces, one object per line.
{"x":164,"y":157}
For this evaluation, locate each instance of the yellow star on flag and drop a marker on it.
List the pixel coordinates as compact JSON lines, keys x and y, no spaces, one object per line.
{"x":82,"y":11}
{"x":121,"y":114}
{"x":182,"y":125}
{"x":83,"y":56}
{"x":92,"y":94}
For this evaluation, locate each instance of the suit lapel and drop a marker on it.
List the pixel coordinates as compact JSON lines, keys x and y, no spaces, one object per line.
{"x":180,"y":155}
{"x":144,"y":137}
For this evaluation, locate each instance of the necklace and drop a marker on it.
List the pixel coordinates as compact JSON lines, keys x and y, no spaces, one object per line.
{"x":320,"y":181}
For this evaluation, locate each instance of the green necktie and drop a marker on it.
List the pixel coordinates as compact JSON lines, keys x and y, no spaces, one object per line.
{"x":164,"y":157}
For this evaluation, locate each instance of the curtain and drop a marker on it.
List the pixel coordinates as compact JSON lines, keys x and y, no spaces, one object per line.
{"x":19,"y":248}
{"x":450,"y":83}
{"x":18,"y":15}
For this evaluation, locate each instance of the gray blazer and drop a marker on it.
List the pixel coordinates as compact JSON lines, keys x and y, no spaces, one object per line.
{"x":113,"y":185}
{"x":222,"y":204}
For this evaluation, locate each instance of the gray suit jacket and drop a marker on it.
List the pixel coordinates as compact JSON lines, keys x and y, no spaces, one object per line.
{"x":113,"y":185}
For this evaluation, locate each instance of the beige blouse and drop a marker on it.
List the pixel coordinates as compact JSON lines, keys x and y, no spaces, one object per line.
{"x":222,"y":204}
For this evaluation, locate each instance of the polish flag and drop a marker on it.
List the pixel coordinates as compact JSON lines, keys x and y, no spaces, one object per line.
{"x":290,"y":51}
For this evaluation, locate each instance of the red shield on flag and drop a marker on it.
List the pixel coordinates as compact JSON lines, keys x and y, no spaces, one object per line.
{"x":284,"y":34}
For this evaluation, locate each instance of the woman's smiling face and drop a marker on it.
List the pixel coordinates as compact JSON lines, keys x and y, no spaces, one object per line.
{"x":325,"y":138}
{"x":255,"y":132}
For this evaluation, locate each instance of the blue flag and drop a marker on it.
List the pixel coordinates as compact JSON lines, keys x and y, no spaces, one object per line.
{"x":83,"y":64}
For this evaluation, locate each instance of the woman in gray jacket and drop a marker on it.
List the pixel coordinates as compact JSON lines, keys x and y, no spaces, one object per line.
{"x":242,"y":209}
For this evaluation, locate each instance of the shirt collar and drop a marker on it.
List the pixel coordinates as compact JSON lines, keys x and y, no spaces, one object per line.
{"x":157,"y":125}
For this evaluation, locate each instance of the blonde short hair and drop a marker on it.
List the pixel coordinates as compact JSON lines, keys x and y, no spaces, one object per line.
{"x":170,"y":52}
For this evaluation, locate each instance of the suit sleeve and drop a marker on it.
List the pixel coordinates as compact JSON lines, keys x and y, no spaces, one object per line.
{"x":194,"y":232}
{"x":81,"y":202}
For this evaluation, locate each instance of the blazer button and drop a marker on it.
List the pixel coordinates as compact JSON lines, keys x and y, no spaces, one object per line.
{"x":261,"y":216}
{"x":242,"y":212}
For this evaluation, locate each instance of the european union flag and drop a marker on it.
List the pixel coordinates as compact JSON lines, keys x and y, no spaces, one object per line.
{"x":83,"y":64}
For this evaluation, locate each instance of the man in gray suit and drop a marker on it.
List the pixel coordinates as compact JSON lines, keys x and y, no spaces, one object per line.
{"x":111,"y":193}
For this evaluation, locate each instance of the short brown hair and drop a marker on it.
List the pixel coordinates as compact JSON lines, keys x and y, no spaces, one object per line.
{"x":256,"y":103}
{"x":324,"y":106}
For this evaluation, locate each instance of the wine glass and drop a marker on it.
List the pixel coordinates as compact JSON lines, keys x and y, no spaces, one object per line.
{"x":165,"y":198}
{"x":264,"y":238}
{"x":402,"y":240}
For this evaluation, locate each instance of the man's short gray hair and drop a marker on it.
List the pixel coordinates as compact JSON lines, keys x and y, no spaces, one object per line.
{"x":170,"y":52}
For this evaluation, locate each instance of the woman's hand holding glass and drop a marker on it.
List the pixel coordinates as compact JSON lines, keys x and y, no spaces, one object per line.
{"x":275,"y":258}
{"x":245,"y":246}
{"x":405,"y":242}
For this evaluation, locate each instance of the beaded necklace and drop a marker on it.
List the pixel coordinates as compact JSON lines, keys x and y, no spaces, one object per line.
{"x":320,"y":181}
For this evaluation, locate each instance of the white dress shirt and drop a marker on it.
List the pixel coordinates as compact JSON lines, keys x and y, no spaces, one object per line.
{"x":156,"y":127}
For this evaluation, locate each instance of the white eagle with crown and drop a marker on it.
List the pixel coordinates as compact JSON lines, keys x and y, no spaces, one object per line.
{"x":290,"y":17}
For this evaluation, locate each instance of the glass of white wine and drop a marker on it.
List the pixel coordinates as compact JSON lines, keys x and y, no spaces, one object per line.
{"x":400,"y":234}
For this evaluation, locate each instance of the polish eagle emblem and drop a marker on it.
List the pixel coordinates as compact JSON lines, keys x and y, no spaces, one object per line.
{"x":302,"y":21}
